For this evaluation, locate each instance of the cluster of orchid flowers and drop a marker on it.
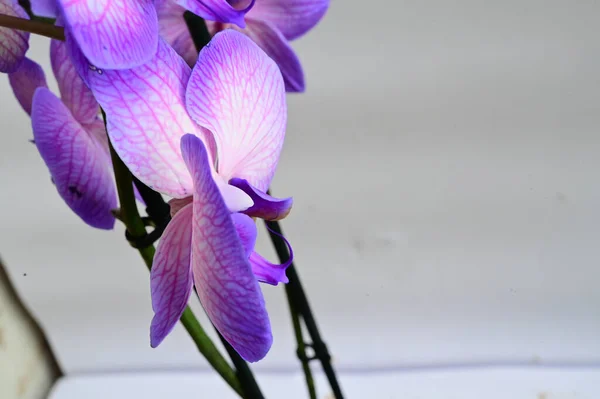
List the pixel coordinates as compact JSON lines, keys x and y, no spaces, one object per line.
{"x":205,"y":129}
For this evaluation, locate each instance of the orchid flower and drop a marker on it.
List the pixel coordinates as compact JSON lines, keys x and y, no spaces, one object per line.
{"x":13,"y":43}
{"x":232,"y":107}
{"x":270,"y":23}
{"x":70,"y":136}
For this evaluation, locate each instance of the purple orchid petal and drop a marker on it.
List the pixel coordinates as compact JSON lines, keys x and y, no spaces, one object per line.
{"x":265,"y":206}
{"x":225,"y":11}
{"x":146,"y":116}
{"x":171,"y":275}
{"x":293,"y":18}
{"x":246,"y":230}
{"x":235,"y":199}
{"x":236,"y":91}
{"x":25,"y":80}
{"x":277,"y":47}
{"x":113,"y":34}
{"x":223,"y":277}
{"x":44,"y":8}
{"x":13,"y":43}
{"x":267,"y":272}
{"x":75,"y":160}
{"x":174,"y":30}
{"x":73,"y":91}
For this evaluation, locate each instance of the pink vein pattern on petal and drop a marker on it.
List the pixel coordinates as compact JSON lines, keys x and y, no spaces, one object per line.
{"x":236,"y":91}
{"x":277,"y":47}
{"x":73,"y":91}
{"x":146,"y":117}
{"x":223,"y":277}
{"x":44,"y":8}
{"x":113,"y":34}
{"x":292,"y":17}
{"x":231,"y":11}
{"x":171,"y":275}
{"x":175,"y":31}
{"x":13,"y":43}
{"x":78,"y":167}
{"x":28,"y":77}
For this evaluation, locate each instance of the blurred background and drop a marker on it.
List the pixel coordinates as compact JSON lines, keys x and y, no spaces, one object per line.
{"x":444,"y":165}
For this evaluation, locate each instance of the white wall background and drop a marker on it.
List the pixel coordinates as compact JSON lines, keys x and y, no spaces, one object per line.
{"x":444,"y":164}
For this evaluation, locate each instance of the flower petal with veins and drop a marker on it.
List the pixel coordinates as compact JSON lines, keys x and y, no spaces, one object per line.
{"x":25,"y":80}
{"x":114,"y":34}
{"x":293,"y":18}
{"x":175,"y":31}
{"x":13,"y":43}
{"x":171,"y":275}
{"x":236,"y":91}
{"x":76,"y":161}
{"x":146,"y":116}
{"x":73,"y":91}
{"x":277,"y":47}
{"x":223,"y":277}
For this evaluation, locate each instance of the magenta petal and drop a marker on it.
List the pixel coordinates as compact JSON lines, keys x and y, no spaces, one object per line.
{"x":113,"y":34}
{"x":174,"y":30}
{"x":146,"y":116}
{"x":246,"y":230}
{"x":171,"y":275}
{"x":292,"y":17}
{"x":277,"y":47}
{"x":265,"y":206}
{"x":13,"y":43}
{"x":76,"y":162}
{"x":236,"y":91}
{"x":44,"y":8}
{"x":73,"y":91}
{"x":28,"y":77}
{"x":223,"y":277}
{"x":232,"y":11}
{"x":267,"y":272}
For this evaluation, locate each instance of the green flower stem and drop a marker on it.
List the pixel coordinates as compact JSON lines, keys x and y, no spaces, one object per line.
{"x":130,"y":216}
{"x":310,"y":383}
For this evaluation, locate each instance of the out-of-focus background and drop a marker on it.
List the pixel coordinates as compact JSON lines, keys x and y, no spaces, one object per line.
{"x":444,"y":165}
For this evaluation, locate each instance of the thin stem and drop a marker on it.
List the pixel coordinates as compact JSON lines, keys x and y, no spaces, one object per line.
{"x":301,"y":351}
{"x":298,"y":298}
{"x":249,"y":384}
{"x":135,"y":226}
{"x":37,"y":27}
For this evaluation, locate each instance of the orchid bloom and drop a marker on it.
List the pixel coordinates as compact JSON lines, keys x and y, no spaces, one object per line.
{"x":270,"y":23}
{"x":210,"y":138}
{"x":70,"y":136}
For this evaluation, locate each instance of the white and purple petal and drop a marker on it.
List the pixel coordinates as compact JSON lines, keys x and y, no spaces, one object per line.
{"x":76,"y":161}
{"x":13,"y":43}
{"x":225,"y":11}
{"x":171,"y":275}
{"x":265,"y":206}
{"x":246,"y":230}
{"x":227,"y":288}
{"x":113,"y":34}
{"x":236,"y":91}
{"x":277,"y":47}
{"x":25,"y":80}
{"x":73,"y":91}
{"x":293,"y":18}
{"x":146,"y":116}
